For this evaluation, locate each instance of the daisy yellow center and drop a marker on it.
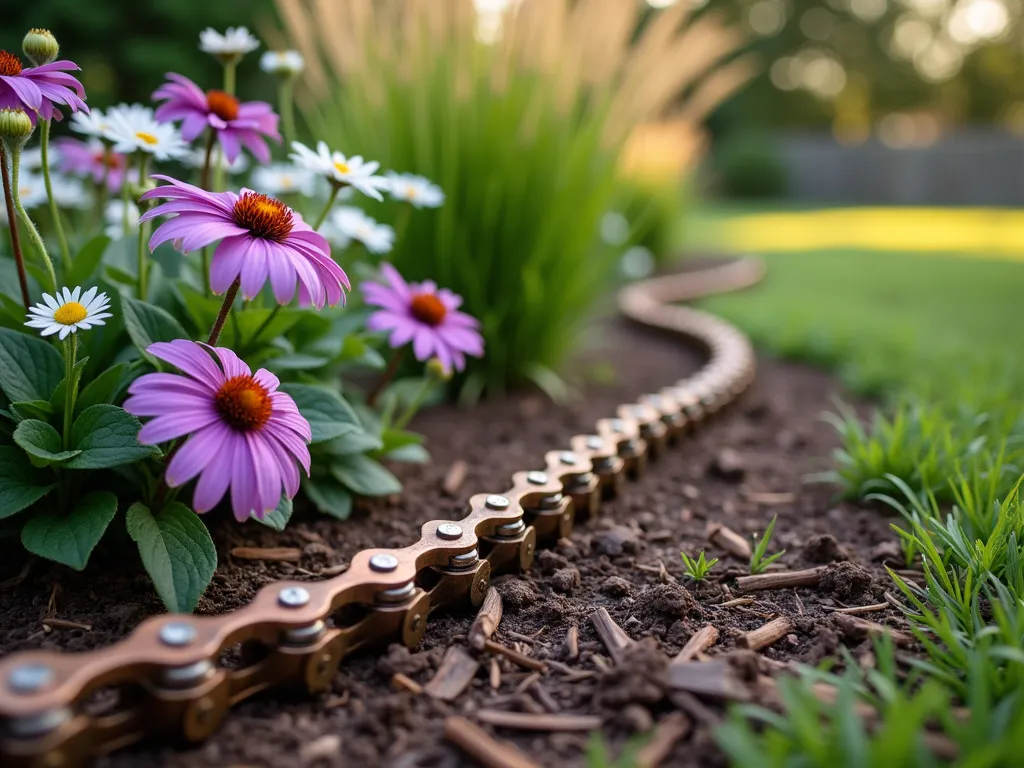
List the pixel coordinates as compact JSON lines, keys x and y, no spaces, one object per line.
{"x":342,"y":168}
{"x":223,"y":105}
{"x":147,"y":138}
{"x":243,"y":403}
{"x":70,"y":313}
{"x":263,"y":216}
{"x":410,"y":192}
{"x":427,"y":308}
{"x":9,"y":64}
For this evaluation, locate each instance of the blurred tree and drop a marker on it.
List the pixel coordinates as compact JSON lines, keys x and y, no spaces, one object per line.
{"x":125,"y":46}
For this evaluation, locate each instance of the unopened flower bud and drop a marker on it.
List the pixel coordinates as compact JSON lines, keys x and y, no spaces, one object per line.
{"x":438,"y":370}
{"x":40,"y":46}
{"x":15,"y":127}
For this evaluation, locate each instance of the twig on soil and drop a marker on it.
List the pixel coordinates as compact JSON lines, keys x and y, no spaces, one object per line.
{"x":486,"y":750}
{"x":717,"y":678}
{"x":456,"y":672}
{"x":695,"y":708}
{"x":523,"y":638}
{"x":671,"y":729}
{"x":527,"y":662}
{"x":398,"y":680}
{"x":494,"y":675}
{"x":856,"y":627}
{"x":272,"y":554}
{"x":780,"y":580}
{"x":545,"y":698}
{"x":527,"y":681}
{"x":857,"y":609}
{"x":487,"y":620}
{"x":770,"y":499}
{"x":729,"y":540}
{"x":571,"y":675}
{"x":735,"y":602}
{"x":612,"y":635}
{"x":454,"y":477}
{"x":525,"y":721}
{"x":765,"y":635}
{"x":333,"y":570}
{"x":20,"y":577}
{"x":701,"y":640}
{"x":49,"y":624}
{"x":572,"y":642}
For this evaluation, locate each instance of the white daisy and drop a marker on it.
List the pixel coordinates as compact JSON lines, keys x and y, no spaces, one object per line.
{"x":91,"y":123}
{"x":134,"y":129}
{"x":347,"y":223}
{"x":341,"y":170}
{"x":32,"y":159}
{"x":419,"y":191}
{"x":68,"y":312}
{"x":31,"y":190}
{"x":282,"y":63}
{"x":197,"y":157}
{"x":69,"y":192}
{"x":282,"y":179}
{"x":231,"y":46}
{"x":113,"y":215}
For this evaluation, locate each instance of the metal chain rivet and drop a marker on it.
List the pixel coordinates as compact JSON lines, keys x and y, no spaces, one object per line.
{"x":29,"y":678}
{"x":494,"y":501}
{"x":177,"y":633}
{"x":449,"y":531}
{"x":293,"y":597}
{"x":383,"y":562}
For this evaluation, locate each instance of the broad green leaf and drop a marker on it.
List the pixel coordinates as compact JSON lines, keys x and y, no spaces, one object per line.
{"x":296,"y":362}
{"x":364,"y":476}
{"x":105,"y":388}
{"x":58,"y":396}
{"x":87,"y":260}
{"x":251,"y":320}
{"x":21,"y":484}
{"x":408,"y":454}
{"x":107,"y":436}
{"x":70,"y":539}
{"x":36,"y":409}
{"x":355,"y":352}
{"x":177,"y":553}
{"x":30,"y":368}
{"x":200,"y":307}
{"x":327,"y":412}
{"x":42,"y":442}
{"x":147,"y":323}
{"x":355,"y":441}
{"x":328,"y":497}
{"x":118,"y":275}
{"x":279,"y":518}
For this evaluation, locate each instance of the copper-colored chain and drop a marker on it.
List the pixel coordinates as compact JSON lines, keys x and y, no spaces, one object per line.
{"x":169,"y":674}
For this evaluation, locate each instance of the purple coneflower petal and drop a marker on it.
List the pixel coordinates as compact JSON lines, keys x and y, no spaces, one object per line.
{"x":227,"y":262}
{"x":244,"y":489}
{"x":171,"y":426}
{"x":215,"y":479}
{"x":189,"y":357}
{"x":194,"y":456}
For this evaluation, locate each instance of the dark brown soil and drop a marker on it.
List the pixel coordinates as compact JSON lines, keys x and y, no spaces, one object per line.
{"x":626,"y":561}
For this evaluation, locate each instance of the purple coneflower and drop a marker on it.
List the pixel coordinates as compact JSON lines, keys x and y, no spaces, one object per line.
{"x":39,"y":89}
{"x":426,"y":316}
{"x":235,"y":122}
{"x":260,"y":238}
{"x":93,"y":160}
{"x":245,"y":435}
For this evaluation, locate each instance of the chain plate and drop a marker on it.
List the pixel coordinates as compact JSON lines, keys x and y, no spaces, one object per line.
{"x":176,"y":676}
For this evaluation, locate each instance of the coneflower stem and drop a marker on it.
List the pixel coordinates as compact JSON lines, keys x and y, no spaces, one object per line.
{"x":335,"y":189}
{"x":44,"y":144}
{"x":386,"y":377}
{"x":204,"y":183}
{"x":33,"y":233}
{"x":143,"y":261}
{"x":285,"y":102}
{"x":265,"y":323}
{"x":225,"y":309}
{"x":13,"y":226}
{"x":70,"y":353}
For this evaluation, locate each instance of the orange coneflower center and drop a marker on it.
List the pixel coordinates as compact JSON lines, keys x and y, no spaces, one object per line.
{"x":243,"y":403}
{"x":223,"y":105}
{"x":427,"y":308}
{"x":263,"y":216}
{"x":9,"y":64}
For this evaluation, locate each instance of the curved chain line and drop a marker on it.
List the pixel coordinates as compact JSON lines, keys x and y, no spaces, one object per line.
{"x":170,"y":682}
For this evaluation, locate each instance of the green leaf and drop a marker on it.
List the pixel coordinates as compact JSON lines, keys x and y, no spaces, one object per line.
{"x":177,"y":553}
{"x":21,"y":484}
{"x":250,"y":321}
{"x":147,"y":323}
{"x":279,"y":518}
{"x":328,"y":497}
{"x":57,"y":399}
{"x":408,"y":454}
{"x":42,"y":442}
{"x":118,"y":275}
{"x":297,"y":362}
{"x":364,"y":476}
{"x":355,"y":441}
{"x":328,"y":414}
{"x":36,"y":409}
{"x":355,"y":352}
{"x":30,"y":368}
{"x":105,"y":388}
{"x":107,"y":436}
{"x":87,"y":261}
{"x":70,"y":539}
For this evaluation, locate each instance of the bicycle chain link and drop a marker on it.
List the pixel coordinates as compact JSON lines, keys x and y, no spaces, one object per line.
{"x":170,"y":678}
